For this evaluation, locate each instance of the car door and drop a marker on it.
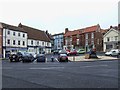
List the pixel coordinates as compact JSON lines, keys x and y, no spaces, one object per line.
{"x":114,"y":53}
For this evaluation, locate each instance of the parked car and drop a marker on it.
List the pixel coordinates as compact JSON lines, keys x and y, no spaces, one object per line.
{"x":55,"y":51}
{"x":13,"y":57}
{"x":113,"y":52}
{"x":72,"y":52}
{"x":62,"y":57}
{"x":40,"y":58}
{"x":81,"y":51}
{"x":63,"y":52}
{"x":22,"y":56}
{"x":33,"y":53}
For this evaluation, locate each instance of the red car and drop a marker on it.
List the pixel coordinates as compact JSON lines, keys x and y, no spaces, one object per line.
{"x":72,"y":52}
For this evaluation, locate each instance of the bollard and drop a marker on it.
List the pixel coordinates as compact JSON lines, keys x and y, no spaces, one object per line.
{"x":73,"y":58}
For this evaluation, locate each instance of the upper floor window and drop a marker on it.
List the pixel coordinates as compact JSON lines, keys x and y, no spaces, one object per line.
{"x":18,"y":42}
{"x":47,"y":44}
{"x":92,"y":35}
{"x":37,"y":42}
{"x":43,"y":43}
{"x":116,"y":38}
{"x":18,"y":34}
{"x":8,"y":41}
{"x":13,"y":42}
{"x":23,"y":35}
{"x":108,"y":39}
{"x":23,"y":43}
{"x":13,"y":33}
{"x":86,"y":35}
{"x":77,"y":41}
{"x":31,"y":42}
{"x":8,"y":32}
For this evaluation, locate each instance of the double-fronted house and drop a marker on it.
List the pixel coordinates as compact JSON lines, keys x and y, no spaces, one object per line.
{"x":38,"y":41}
{"x":12,"y":39}
{"x":111,"y":40}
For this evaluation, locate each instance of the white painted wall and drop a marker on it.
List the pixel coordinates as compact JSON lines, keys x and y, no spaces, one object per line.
{"x":16,"y":38}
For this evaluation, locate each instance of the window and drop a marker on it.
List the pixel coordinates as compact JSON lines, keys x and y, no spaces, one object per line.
{"x":18,"y":42}
{"x":37,"y":42}
{"x":32,"y":42}
{"x":13,"y":33}
{"x":13,"y":42}
{"x":92,"y":35}
{"x":8,"y":32}
{"x":8,"y":41}
{"x":47,"y":44}
{"x":23,"y":35}
{"x":116,"y":38}
{"x":43,"y":43}
{"x":108,"y":39}
{"x":23,"y":43}
{"x":86,"y":42}
{"x":77,"y":41}
{"x":18,"y":34}
{"x":86,"y":35}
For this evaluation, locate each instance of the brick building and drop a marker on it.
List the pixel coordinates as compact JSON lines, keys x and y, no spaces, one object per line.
{"x":87,"y":38}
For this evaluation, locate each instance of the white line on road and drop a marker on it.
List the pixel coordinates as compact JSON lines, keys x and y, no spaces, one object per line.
{"x":94,"y":66}
{"x":49,"y":68}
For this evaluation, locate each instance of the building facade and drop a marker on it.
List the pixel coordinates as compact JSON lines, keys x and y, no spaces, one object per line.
{"x":111,"y":40}
{"x":38,"y":41}
{"x":13,"y":39}
{"x":58,"y":41}
{"x":87,"y":38}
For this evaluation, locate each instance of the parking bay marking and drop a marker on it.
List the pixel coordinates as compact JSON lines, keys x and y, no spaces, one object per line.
{"x":49,"y":68}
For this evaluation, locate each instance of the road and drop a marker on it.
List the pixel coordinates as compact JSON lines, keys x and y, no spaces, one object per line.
{"x":98,"y":74}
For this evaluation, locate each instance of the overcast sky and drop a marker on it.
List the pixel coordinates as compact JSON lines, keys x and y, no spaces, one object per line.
{"x":56,"y":15}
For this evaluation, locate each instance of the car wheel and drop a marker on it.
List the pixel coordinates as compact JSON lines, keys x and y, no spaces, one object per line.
{"x":10,"y":60}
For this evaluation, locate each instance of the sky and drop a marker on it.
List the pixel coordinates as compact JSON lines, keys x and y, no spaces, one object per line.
{"x":56,"y":15}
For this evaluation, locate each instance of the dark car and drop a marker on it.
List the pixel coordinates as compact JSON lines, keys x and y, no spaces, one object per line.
{"x":62,"y":58}
{"x":55,"y":51}
{"x":22,"y":56}
{"x":40,"y":58}
{"x":13,"y":57}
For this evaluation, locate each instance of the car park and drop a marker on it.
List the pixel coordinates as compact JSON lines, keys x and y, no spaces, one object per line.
{"x":113,"y":52}
{"x":40,"y":58}
{"x":81,"y":51}
{"x":62,"y":58}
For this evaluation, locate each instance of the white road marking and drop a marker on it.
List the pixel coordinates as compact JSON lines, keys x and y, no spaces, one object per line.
{"x":5,"y":67}
{"x":94,"y":66}
{"x":49,"y":68}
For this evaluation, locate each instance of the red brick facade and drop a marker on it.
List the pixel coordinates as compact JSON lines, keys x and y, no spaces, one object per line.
{"x":80,"y":34}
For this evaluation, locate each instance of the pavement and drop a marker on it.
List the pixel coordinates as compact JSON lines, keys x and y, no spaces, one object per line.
{"x":100,"y":57}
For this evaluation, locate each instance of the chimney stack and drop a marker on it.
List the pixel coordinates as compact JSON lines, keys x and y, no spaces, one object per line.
{"x":66,"y":30}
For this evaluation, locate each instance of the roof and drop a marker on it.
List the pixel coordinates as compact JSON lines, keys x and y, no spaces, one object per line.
{"x":84,"y":30}
{"x":112,"y":29}
{"x":58,"y":34}
{"x":90,"y":29}
{"x":70,"y":33}
{"x":35,"y":34}
{"x":11,"y":27}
